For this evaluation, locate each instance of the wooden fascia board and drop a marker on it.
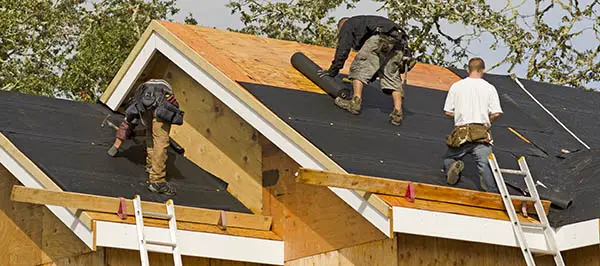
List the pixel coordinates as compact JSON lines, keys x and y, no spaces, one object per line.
{"x":398,"y":188}
{"x":40,"y":176}
{"x":189,"y":226}
{"x":322,"y":160}
{"x":111,"y":205}
{"x":127,"y":64}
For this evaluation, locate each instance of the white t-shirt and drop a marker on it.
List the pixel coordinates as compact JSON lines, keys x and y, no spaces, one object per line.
{"x":472,"y":100}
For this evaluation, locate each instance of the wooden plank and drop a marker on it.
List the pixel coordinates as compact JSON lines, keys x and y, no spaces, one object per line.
{"x":451,"y":208}
{"x":189,"y":226}
{"x":398,"y":188}
{"x":110,"y":205}
{"x":39,"y":175}
{"x":217,"y":139}
{"x":311,"y":219}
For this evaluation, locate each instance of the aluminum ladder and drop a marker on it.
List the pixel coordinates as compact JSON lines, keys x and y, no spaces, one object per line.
{"x":543,"y":226}
{"x":143,"y":242}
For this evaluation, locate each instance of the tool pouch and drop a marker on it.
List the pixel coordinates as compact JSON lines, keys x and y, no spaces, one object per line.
{"x":168,"y":111}
{"x":468,"y":133}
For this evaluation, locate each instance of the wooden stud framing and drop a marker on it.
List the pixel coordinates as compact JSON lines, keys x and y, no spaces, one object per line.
{"x":110,"y":205}
{"x":398,"y":188}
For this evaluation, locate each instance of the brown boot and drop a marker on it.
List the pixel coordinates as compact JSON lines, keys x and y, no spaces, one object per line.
{"x":352,"y":106}
{"x":396,"y":117}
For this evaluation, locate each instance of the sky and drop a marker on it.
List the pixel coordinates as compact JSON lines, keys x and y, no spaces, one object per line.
{"x":214,"y":13}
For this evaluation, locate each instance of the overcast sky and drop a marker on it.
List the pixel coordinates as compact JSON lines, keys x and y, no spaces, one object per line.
{"x":214,"y":13}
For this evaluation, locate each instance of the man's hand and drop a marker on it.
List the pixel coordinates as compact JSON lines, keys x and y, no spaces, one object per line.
{"x":494,"y":116}
{"x":450,"y":114}
{"x":326,"y":73}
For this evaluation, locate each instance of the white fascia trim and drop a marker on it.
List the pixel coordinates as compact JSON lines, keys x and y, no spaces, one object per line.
{"x":197,"y":244}
{"x":578,"y":235}
{"x":158,"y":43}
{"x":65,"y":216}
{"x":489,"y":231}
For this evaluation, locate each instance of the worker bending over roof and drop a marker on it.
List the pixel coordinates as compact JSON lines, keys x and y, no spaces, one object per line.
{"x":155,"y":106}
{"x":474,"y":104}
{"x":382,"y":48}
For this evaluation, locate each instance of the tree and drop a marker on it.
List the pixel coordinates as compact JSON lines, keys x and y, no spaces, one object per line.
{"x":108,"y":33}
{"x":65,"y":48}
{"x":540,"y":43}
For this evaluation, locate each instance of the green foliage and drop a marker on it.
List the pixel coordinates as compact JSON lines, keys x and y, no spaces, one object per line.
{"x":68,"y":49}
{"x":541,"y":43}
{"x":108,"y":34}
{"x":305,"y":21}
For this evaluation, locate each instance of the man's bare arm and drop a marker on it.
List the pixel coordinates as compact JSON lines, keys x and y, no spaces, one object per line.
{"x":494,"y":116}
{"x":449,"y":114}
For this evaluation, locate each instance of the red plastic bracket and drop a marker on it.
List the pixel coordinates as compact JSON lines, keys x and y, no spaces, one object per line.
{"x":122,"y":212}
{"x":410,"y":192}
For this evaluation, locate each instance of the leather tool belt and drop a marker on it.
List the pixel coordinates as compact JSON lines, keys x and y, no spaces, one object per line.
{"x":469,"y":133}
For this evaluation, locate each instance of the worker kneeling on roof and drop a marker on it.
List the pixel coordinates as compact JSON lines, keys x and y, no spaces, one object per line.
{"x":155,"y":106}
{"x":474,"y":104}
{"x":382,"y":48}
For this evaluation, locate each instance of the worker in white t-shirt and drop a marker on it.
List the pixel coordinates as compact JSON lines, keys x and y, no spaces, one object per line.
{"x":474,"y":104}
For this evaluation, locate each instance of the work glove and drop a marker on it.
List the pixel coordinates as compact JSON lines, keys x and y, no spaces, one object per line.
{"x":113,"y":151}
{"x":326,"y":73}
{"x":125,"y":131}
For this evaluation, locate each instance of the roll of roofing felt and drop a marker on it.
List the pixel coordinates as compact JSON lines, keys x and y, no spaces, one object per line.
{"x":561,"y":203}
{"x":309,"y":69}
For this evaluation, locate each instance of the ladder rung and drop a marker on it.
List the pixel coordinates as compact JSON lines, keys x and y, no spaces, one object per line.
{"x":157,"y":215}
{"x":542,"y":252}
{"x":512,"y":172}
{"x":534,"y":225}
{"x":161,"y":243}
{"x":523,"y":198}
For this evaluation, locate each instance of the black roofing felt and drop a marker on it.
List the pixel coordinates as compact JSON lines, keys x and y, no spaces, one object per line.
{"x":368,"y":144}
{"x":65,"y":140}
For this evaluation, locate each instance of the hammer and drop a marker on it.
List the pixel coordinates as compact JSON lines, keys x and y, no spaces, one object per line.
{"x":108,"y":122}
{"x":114,"y":149}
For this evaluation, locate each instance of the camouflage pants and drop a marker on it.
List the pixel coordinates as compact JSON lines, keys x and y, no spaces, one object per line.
{"x":378,"y":55}
{"x":157,"y":142}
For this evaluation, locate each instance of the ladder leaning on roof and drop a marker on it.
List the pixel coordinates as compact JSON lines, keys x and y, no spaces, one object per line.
{"x":143,"y":243}
{"x":543,"y":226}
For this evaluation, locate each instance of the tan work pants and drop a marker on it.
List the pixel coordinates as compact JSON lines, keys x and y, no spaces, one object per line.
{"x":157,"y":142}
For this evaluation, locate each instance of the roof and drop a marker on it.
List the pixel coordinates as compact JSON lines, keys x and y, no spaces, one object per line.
{"x":65,"y":140}
{"x":57,"y":150}
{"x":305,"y":125}
{"x":249,"y":58}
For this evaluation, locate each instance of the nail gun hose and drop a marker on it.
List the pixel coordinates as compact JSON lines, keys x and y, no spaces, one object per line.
{"x":309,"y":69}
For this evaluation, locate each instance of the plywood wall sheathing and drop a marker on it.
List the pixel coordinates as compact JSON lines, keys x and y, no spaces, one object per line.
{"x":376,"y":253}
{"x":214,"y":137}
{"x":31,"y":234}
{"x":311,"y":219}
{"x":120,"y":257}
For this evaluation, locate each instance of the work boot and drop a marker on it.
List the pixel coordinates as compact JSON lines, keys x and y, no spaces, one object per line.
{"x":396,"y":117}
{"x":162,"y":187}
{"x":454,"y":171}
{"x":352,"y":106}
